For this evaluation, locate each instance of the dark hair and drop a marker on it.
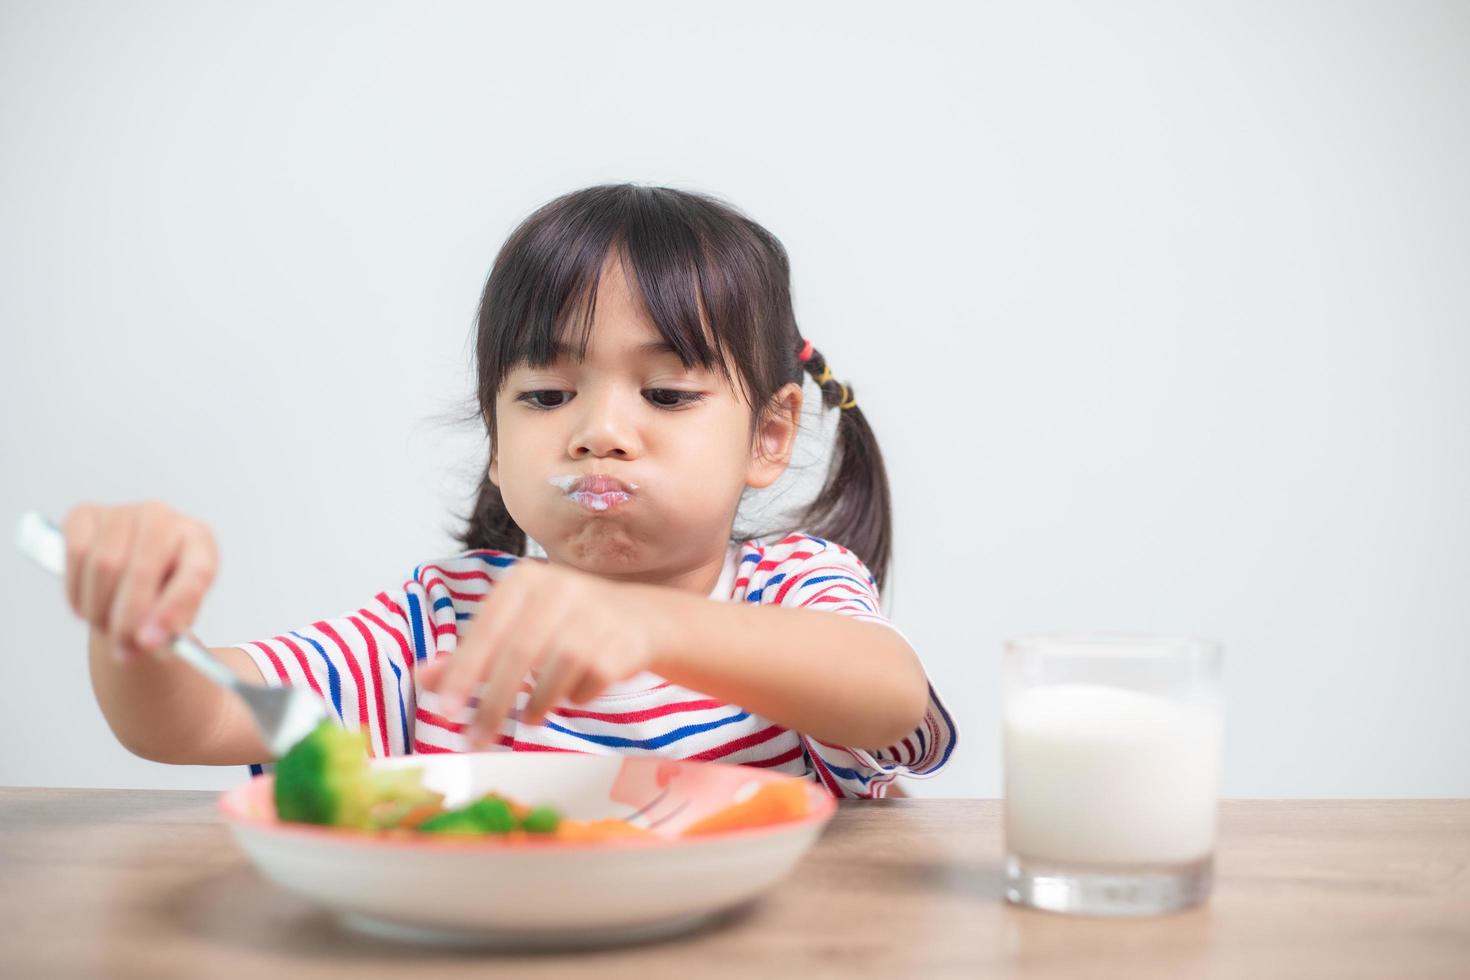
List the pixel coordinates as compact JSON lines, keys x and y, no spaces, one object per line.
{"x":688,"y":253}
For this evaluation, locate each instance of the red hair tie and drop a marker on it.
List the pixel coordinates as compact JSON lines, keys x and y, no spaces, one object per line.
{"x":806,"y":352}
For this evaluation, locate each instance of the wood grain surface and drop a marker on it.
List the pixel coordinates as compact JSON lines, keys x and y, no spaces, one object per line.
{"x":147,"y":883}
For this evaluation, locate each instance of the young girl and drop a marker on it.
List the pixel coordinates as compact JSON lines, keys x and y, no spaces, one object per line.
{"x":643,"y":387}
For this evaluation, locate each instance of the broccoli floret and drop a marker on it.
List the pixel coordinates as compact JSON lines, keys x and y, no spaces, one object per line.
{"x":325,"y":779}
{"x":487,"y":815}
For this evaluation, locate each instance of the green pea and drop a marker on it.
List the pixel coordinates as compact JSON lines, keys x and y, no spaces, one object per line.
{"x":541,"y":820}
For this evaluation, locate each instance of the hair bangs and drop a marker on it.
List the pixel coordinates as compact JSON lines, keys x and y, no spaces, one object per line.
{"x":545,"y":287}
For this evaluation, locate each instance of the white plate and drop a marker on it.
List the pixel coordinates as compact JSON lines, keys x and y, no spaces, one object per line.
{"x":538,"y":893}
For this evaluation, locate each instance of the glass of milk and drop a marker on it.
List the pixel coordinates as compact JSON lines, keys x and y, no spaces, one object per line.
{"x":1112,"y":771}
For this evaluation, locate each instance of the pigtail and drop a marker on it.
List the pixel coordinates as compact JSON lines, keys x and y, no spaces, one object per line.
{"x":854,"y":508}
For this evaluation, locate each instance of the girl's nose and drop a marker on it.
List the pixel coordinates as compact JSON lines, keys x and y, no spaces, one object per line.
{"x":605,"y":429}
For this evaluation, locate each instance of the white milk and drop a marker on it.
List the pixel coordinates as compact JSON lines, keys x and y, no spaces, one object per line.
{"x":1105,"y":775}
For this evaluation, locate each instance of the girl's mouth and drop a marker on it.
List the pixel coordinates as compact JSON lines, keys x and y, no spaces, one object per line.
{"x":596,"y":491}
{"x":599,"y":501}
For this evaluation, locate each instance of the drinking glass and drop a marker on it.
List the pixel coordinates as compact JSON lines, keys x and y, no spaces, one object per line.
{"x":1112,"y":747}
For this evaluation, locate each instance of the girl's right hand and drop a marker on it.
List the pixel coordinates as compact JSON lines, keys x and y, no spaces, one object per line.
{"x":137,"y":572}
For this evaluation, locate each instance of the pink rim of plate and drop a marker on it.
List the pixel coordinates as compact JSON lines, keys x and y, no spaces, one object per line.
{"x":234,"y":805}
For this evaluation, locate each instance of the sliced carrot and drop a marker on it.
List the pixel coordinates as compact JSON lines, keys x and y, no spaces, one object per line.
{"x":419,"y":814}
{"x":597,"y":830}
{"x":772,"y":803}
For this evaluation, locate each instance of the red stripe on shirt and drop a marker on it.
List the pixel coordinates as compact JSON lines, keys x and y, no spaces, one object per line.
{"x":766,"y":564}
{"x":392,"y":604}
{"x":458,"y":576}
{"x":402,"y":641}
{"x":275,"y":661}
{"x":780,"y":760}
{"x":823,"y":772}
{"x":438,"y":721}
{"x":355,"y":669}
{"x":625,"y":717}
{"x":424,"y":748}
{"x":853,"y":593}
{"x":735,"y":745}
{"x":520,"y":746}
{"x":790,"y":583}
{"x":455,"y":593}
{"x":377,"y":668}
{"x":305,"y":665}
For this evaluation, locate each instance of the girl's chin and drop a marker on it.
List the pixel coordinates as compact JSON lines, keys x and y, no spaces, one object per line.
{"x":599,"y":546}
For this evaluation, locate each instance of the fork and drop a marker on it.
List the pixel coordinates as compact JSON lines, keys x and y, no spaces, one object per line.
{"x":284,"y":715}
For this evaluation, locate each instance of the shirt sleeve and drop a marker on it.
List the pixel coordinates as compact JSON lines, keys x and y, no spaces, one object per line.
{"x":363,"y":662}
{"x":360,"y":663}
{"x":818,"y":574}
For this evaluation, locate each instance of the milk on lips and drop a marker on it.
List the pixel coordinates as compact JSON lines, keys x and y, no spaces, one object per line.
{"x":589,"y":499}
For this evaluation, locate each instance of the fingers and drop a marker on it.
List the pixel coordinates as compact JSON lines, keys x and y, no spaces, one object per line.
{"x":151,"y":556}
{"x":103,"y":566}
{"x":195,"y":563}
{"x":429,"y":673}
{"x":525,"y":623}
{"x":559,"y":673}
{"x":499,"y":612}
{"x":532,"y":645}
{"x":136,"y":572}
{"x":588,"y":685}
{"x":79,"y":528}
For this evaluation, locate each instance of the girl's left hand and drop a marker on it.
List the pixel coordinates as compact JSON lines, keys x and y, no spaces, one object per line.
{"x":578,"y":632}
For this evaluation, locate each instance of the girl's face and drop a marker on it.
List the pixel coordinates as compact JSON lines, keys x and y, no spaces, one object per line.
{"x":628,"y":464}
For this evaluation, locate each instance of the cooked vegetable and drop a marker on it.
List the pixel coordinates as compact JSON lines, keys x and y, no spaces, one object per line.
{"x":325,"y":779}
{"x":541,"y":820}
{"x":598,"y":830}
{"x":487,"y":815}
{"x":772,"y":803}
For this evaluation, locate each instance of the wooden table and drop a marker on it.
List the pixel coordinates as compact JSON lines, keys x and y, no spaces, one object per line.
{"x":145,"y":883}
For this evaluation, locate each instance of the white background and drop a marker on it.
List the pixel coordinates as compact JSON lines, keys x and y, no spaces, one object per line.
{"x":1161,"y":313}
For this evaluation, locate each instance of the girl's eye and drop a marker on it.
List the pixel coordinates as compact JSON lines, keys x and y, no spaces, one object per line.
{"x":545,"y":398}
{"x":672,"y":398}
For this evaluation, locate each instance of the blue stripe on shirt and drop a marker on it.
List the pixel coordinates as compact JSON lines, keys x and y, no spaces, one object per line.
{"x":420,"y":652}
{"x":829,"y":578}
{"x":953,"y":735}
{"x":846,"y":773}
{"x":658,"y":741}
{"x":334,"y":680}
{"x":402,"y":714}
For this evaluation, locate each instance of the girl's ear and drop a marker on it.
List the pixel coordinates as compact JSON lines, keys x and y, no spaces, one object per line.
{"x":775,"y":437}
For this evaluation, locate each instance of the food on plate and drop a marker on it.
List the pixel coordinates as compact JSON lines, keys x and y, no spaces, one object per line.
{"x":772,"y":803}
{"x":326,"y":779}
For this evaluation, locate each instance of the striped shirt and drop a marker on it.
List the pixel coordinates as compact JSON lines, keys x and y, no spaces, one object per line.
{"x":363,"y":663}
